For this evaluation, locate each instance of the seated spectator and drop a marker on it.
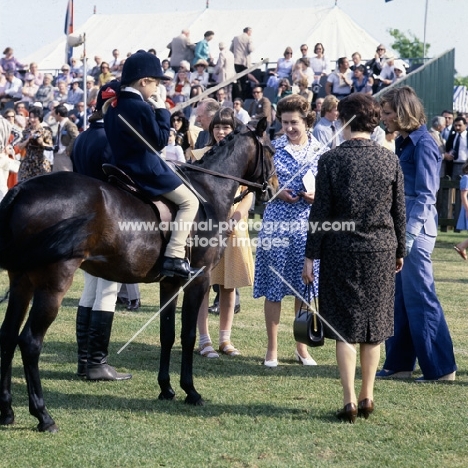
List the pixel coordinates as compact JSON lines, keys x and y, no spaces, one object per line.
{"x":76,"y":69}
{"x":114,"y":62}
{"x":239,"y":112}
{"x":180,"y":89}
{"x":326,"y":128}
{"x":221,"y":98}
{"x":91,"y":93}
{"x":387,"y":74}
{"x":75,"y":93}
{"x":181,"y":125}
{"x":13,"y":89}
{"x":357,"y":60}
{"x":318,"y":105}
{"x":45,"y":92}
{"x":29,"y":89}
{"x":172,"y":151}
{"x":284,"y":68}
{"x":261,"y":106}
{"x":400,"y":70}
{"x":340,"y":81}
{"x":96,"y":70}
{"x":284,"y":89}
{"x":38,"y":76}
{"x":167,"y":70}
{"x":118,"y":73}
{"x":302,"y":70}
{"x":304,"y":90}
{"x":105,"y":76}
{"x":200,"y":75}
{"x":61,"y":92}
{"x":362,"y":83}
{"x":319,"y":64}
{"x":375,"y":66}
{"x":65,"y":76}
{"x":77,"y":114}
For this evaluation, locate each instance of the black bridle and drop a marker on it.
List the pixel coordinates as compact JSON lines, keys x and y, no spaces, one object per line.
{"x":260,"y":166}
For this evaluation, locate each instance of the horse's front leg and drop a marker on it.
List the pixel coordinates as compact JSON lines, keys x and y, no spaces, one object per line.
{"x":167,"y":337}
{"x":193,"y":298}
{"x":20,"y":296}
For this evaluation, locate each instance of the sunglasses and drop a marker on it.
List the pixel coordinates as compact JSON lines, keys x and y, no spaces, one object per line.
{"x":177,"y":119}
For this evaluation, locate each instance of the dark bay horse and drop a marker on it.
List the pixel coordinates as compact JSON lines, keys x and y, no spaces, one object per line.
{"x":54,"y":224}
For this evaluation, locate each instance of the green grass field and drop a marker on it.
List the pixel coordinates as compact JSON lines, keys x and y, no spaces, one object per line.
{"x":254,"y":416}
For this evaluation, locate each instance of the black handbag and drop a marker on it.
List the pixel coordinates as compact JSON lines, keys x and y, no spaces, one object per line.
{"x":308,"y":326}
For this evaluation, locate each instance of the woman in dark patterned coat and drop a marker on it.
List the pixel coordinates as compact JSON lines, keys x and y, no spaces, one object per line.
{"x":359,"y":182}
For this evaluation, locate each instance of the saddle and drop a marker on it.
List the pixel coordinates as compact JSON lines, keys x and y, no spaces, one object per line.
{"x":164,"y":209}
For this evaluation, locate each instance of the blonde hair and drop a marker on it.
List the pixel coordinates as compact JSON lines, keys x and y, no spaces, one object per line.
{"x":408,"y":108}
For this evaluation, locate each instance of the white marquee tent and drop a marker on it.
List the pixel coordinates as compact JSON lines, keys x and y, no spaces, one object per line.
{"x":273,"y":31}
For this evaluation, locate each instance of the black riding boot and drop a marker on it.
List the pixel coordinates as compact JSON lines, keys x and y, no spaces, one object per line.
{"x":100,"y":328}
{"x":83,"y":315}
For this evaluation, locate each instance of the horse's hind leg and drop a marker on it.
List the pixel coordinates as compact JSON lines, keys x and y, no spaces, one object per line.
{"x":20,"y":295}
{"x":51,"y":284}
{"x":167,"y":338}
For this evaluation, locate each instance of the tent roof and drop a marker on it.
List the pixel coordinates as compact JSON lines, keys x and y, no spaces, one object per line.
{"x":272,"y":33}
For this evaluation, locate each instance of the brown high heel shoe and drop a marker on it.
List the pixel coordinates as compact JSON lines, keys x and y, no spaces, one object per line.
{"x":348,"y":413}
{"x":365,"y":407}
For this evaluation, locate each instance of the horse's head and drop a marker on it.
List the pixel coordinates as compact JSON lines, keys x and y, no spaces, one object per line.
{"x":264,"y":161}
{"x":246,"y":156}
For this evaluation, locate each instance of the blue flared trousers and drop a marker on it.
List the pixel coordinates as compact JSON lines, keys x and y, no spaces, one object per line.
{"x":421,"y":331}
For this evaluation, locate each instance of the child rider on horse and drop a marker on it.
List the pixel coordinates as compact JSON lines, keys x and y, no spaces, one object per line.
{"x":151,"y":123}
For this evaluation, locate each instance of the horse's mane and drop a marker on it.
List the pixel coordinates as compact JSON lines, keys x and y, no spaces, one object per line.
{"x":212,"y":152}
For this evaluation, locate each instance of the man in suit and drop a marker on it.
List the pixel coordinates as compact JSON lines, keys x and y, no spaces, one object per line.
{"x":261,"y":106}
{"x":66,"y":134}
{"x":221,"y":98}
{"x":448,"y":115}
{"x":456,"y":148}
{"x":181,"y":48}
{"x":242,"y":46}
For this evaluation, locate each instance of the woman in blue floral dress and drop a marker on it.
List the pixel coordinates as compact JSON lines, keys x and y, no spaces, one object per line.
{"x":282,"y":239}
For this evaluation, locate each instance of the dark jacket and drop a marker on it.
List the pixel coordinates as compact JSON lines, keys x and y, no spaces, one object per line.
{"x":360,"y":182}
{"x":130,"y":152}
{"x":91,"y":150}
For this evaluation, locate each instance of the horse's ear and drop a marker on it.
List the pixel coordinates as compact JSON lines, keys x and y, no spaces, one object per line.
{"x":261,"y":126}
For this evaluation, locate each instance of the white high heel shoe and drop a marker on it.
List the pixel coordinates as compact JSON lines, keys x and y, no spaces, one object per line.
{"x":304,"y":361}
{"x":270,"y":363}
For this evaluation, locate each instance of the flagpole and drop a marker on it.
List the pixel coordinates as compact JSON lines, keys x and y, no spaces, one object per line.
{"x":424,"y":40}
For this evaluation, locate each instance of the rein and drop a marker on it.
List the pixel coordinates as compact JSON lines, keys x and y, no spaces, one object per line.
{"x":219,"y":174}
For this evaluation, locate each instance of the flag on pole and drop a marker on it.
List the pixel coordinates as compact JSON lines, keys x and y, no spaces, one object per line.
{"x":68,"y":30}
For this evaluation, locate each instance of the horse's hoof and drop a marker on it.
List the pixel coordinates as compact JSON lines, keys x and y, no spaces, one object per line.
{"x":195,"y":401}
{"x":7,"y":420}
{"x":48,"y":427}
{"x":167,"y":395}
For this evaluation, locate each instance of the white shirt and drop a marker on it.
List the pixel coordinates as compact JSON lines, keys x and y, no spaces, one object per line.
{"x":242,"y":115}
{"x":463,"y":149}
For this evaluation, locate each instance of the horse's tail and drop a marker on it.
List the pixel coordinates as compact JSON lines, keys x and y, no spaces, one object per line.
{"x":61,"y":241}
